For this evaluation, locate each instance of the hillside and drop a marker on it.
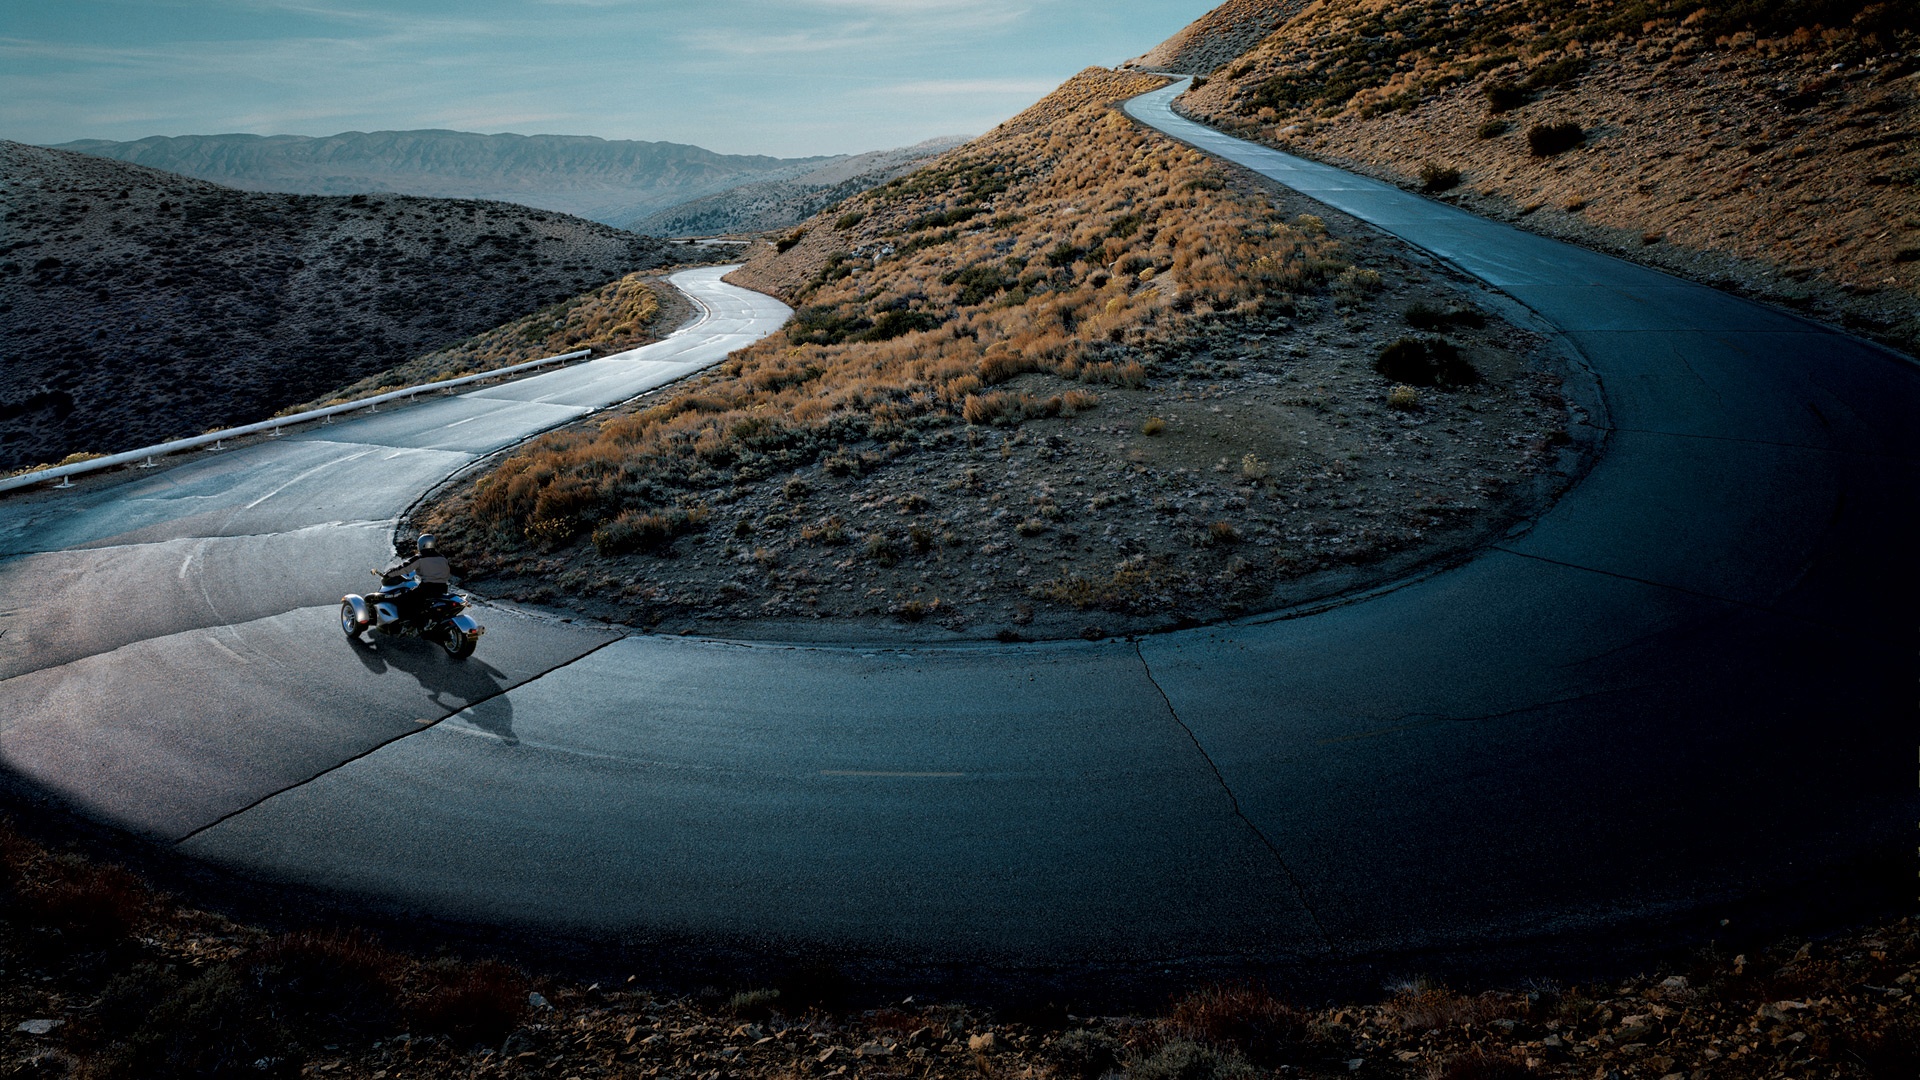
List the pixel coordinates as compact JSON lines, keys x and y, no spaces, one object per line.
{"x":138,"y":306}
{"x":1773,"y":149}
{"x":1071,"y":378}
{"x":765,"y":205}
{"x":609,"y":181}
{"x":1219,"y":36}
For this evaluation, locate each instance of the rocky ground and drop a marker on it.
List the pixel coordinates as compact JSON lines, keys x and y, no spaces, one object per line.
{"x":138,"y":306}
{"x":1266,"y":468}
{"x":1234,"y":456}
{"x":102,"y":977}
{"x":1783,"y":164}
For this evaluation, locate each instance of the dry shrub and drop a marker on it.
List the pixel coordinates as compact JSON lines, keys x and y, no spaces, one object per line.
{"x":154,"y":1023}
{"x":1245,"y":1018}
{"x":1078,"y":401}
{"x":756,"y":1006}
{"x":1435,"y":177}
{"x":1432,"y":1008}
{"x":1430,"y":362}
{"x":339,"y":979}
{"x":88,"y":904}
{"x":1221,"y":533}
{"x":642,"y":531}
{"x":1185,"y":1059}
{"x":1546,"y":140}
{"x":1085,"y":1054}
{"x":1123,"y":238}
{"x":1477,"y":1064}
{"x":478,"y":1002}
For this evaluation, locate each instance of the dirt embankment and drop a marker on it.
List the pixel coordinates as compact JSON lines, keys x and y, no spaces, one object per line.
{"x":1073,"y":378}
{"x":138,"y":306}
{"x":1773,"y":151}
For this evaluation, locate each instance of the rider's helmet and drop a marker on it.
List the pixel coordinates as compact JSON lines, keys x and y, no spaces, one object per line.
{"x":426,"y":545}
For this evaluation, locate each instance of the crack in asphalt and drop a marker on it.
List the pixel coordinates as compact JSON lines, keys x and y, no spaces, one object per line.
{"x":1233,"y":800}
{"x":1847,"y":630}
{"x":384,"y":743}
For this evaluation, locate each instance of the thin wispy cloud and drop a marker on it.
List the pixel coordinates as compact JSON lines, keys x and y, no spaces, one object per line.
{"x":788,"y":77}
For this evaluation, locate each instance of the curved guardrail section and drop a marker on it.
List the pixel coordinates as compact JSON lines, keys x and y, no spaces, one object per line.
{"x":145,"y":453}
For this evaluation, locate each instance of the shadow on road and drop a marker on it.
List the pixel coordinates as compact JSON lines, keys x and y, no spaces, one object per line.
{"x":471,"y":684}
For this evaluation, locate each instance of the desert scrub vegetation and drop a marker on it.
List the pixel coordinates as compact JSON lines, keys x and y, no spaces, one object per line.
{"x":1124,"y":237}
{"x":1069,"y":377}
{"x":1374,"y":58}
{"x":1770,"y":148}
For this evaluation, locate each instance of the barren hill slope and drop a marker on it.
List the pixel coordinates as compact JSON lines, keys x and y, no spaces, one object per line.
{"x":137,"y":306}
{"x":610,"y":181}
{"x":777,"y":204}
{"x":1069,"y":378}
{"x":1219,"y":36}
{"x":1770,"y":148}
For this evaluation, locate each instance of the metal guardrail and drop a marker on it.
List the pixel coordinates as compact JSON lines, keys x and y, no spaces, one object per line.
{"x":145,"y":455}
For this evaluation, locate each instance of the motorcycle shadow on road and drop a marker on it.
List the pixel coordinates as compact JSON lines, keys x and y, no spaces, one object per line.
{"x":471,"y":685}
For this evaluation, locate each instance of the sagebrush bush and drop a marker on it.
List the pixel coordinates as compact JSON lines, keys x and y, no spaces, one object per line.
{"x":1431,"y":362}
{"x":1185,"y":1059}
{"x":1546,"y":140}
{"x":1246,"y":1018}
{"x":1085,"y":1053}
{"x":472,"y":1003}
{"x":1436,"y":177}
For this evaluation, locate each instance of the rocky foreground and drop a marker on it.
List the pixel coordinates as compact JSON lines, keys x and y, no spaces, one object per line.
{"x":105,"y":978}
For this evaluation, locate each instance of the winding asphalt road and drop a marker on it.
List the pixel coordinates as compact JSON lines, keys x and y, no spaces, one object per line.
{"x":1687,"y":687}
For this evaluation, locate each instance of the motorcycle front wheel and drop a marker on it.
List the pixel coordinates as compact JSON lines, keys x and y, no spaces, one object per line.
{"x":349,"y":622}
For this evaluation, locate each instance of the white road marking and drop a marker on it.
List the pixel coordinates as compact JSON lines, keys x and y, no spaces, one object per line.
{"x":304,"y":475}
{"x":192,"y":554}
{"x":866,"y":772}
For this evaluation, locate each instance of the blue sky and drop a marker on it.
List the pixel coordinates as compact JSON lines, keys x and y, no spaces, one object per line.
{"x":784,"y":77}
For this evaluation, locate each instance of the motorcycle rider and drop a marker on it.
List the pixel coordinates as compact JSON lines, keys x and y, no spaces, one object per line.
{"x":430,"y":569}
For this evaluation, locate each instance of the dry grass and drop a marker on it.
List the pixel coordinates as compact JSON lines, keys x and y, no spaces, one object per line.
{"x":923,"y":301}
{"x":1766,"y":147}
{"x":1246,"y":1018}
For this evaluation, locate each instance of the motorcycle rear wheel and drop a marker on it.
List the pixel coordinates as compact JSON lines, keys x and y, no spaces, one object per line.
{"x":458,"y":644}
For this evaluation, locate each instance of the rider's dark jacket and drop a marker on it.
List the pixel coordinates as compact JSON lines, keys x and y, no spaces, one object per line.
{"x":433,"y":570}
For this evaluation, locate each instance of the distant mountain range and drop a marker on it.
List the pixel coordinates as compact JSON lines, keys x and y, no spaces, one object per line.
{"x":613,"y":182}
{"x":761,"y":205}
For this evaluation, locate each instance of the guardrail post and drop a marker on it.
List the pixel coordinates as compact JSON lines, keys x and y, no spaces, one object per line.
{"x":149,"y":463}
{"x":65,"y":481}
